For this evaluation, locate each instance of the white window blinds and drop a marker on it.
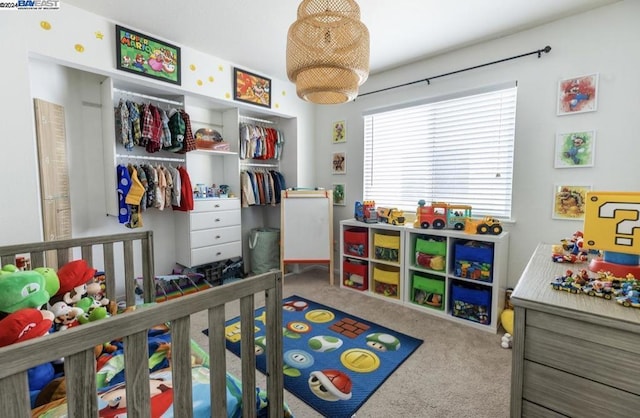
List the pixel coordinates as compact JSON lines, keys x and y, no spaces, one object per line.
{"x":458,"y":151}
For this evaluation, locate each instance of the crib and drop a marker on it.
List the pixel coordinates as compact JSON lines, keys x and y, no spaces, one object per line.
{"x":76,"y":345}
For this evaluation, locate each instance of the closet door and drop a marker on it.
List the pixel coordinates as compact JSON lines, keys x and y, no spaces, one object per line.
{"x":54,"y":173}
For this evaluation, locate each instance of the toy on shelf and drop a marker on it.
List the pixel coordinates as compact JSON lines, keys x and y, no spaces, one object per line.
{"x":366,"y":211}
{"x":612,"y":226}
{"x":391,"y":216}
{"x":440,"y":215}
{"x":486,"y":225}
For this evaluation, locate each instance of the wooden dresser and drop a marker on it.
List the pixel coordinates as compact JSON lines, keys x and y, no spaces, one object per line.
{"x":573,"y":354}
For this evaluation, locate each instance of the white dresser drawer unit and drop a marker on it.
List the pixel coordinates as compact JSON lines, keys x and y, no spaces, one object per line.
{"x":215,"y":236}
{"x":208,"y":205}
{"x":215,"y":219}
{"x":215,"y":253}
{"x":211,"y":232}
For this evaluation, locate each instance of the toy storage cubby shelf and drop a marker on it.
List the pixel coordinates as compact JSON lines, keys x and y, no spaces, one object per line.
{"x":457,"y":276}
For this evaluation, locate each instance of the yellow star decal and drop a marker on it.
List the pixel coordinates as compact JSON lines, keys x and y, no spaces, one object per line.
{"x":99,"y":35}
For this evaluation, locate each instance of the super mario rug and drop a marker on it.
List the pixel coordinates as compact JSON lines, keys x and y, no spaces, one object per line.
{"x":333,"y":361}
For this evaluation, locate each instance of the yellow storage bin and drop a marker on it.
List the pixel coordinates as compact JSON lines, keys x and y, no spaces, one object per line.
{"x":386,"y":281}
{"x":387,"y":241}
{"x":387,"y":247}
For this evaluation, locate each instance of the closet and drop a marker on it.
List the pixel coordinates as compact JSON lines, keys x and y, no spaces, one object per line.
{"x":217,"y":228}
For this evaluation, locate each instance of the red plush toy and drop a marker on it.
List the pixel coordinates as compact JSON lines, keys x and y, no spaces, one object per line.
{"x":73,"y":277}
{"x":23,"y":325}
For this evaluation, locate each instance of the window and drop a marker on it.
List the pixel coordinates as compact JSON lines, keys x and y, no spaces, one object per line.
{"x":456,"y":150}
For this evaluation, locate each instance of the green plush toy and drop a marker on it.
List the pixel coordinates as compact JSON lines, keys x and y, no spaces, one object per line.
{"x":93,"y":311}
{"x":52,"y":283}
{"x":22,"y":289}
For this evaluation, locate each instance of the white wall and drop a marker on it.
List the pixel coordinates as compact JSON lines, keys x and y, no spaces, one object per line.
{"x":61,"y":56}
{"x":603,"y":41}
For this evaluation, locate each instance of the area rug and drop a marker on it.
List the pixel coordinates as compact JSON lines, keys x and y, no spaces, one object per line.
{"x":333,"y":361}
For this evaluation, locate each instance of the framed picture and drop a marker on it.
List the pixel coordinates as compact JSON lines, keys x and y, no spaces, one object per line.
{"x":339,"y":194}
{"x":339,"y":163}
{"x":251,"y":88}
{"x":569,"y":202}
{"x":575,"y":149}
{"x":339,"y":131}
{"x":143,"y":55}
{"x":578,"y":94}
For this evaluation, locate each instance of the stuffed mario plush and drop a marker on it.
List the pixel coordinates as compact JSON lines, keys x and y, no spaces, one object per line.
{"x":73,"y":278}
{"x":23,"y":325}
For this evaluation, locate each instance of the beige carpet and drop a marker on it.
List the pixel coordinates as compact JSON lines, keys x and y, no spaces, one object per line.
{"x":457,"y":372}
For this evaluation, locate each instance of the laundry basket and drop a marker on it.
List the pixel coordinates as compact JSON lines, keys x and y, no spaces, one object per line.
{"x":264,"y":250}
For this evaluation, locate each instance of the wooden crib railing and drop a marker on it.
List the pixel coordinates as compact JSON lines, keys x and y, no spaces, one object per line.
{"x":77,"y":344}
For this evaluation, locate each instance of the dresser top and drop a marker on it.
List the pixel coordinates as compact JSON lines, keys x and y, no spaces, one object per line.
{"x":534,"y":291}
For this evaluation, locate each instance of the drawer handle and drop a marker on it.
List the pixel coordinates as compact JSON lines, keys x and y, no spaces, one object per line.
{"x":216,"y":205}
{"x":218,"y":237}
{"x":217,"y":219}
{"x":218,"y":253}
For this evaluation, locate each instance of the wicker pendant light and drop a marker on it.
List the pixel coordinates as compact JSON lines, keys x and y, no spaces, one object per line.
{"x":328,"y":51}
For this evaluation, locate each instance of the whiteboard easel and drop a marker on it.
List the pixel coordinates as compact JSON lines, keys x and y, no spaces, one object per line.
{"x":306,"y":228}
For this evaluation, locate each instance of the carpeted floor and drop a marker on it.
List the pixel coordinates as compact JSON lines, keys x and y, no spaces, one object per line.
{"x":457,"y":372}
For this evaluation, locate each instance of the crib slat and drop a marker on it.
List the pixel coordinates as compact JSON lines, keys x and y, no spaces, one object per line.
{"x":109,"y":271}
{"x":63,"y":256}
{"x":7,"y":259}
{"x":79,"y":370}
{"x":275,"y":379}
{"x":87,"y":254}
{"x":129,"y":274}
{"x":137,"y":375}
{"x":14,"y":395}
{"x":248,"y":355}
{"x":181,"y":368}
{"x":217,"y":360}
{"x":148,"y":273}
{"x":37,"y":259}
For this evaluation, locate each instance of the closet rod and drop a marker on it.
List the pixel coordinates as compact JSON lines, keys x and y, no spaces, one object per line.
{"x":145,"y":157}
{"x":249,"y":165}
{"x":258,"y":120}
{"x":144,"y":96}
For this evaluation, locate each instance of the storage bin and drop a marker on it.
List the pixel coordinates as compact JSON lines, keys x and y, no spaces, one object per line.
{"x":355,"y":274}
{"x":386,"y":281}
{"x":471,"y":302}
{"x":431,"y":246}
{"x":356,"y":242}
{"x":428,"y":291}
{"x":387,"y":247}
{"x":474,"y":260}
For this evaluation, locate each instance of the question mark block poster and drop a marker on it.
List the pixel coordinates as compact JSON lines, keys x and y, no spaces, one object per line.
{"x":612,"y":222}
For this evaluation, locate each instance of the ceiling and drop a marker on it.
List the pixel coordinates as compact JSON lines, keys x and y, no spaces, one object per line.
{"x":253,"y":33}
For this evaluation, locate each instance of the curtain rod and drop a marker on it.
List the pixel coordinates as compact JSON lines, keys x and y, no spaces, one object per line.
{"x":539,"y":52}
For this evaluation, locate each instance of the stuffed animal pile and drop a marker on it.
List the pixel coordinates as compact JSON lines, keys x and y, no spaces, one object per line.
{"x":39,"y":301}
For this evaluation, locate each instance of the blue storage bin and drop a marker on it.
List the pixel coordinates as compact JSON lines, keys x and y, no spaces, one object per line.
{"x":471,"y":302}
{"x":474,"y":261}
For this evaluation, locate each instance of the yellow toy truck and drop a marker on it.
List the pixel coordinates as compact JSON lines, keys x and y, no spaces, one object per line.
{"x":486,"y":225}
{"x":391,"y":216}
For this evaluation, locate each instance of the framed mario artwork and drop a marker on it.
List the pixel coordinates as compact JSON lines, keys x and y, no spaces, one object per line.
{"x":251,"y":88}
{"x":578,"y":94}
{"x":143,"y":55}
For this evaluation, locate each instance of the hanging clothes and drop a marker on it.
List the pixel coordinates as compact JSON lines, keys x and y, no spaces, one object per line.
{"x":260,"y":142}
{"x":124,"y":184}
{"x":186,"y":191}
{"x":261,"y":187}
